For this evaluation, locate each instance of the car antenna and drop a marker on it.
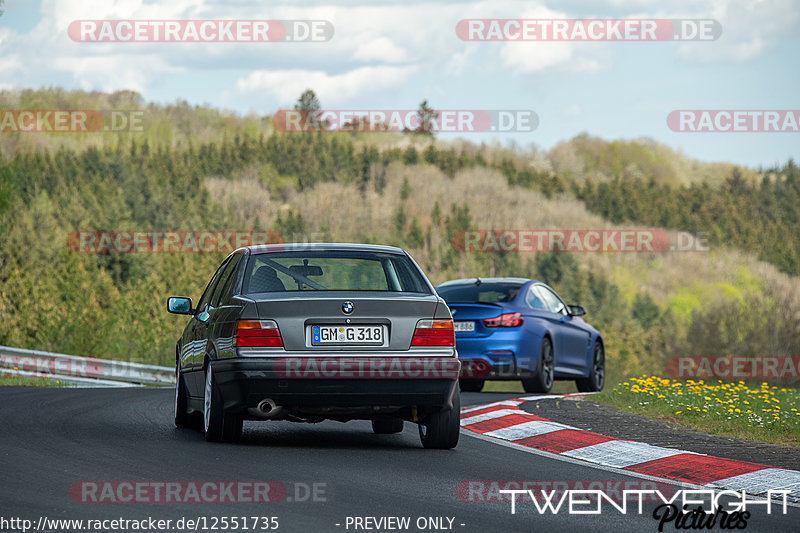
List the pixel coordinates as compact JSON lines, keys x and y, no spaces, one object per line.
{"x":478,"y":281}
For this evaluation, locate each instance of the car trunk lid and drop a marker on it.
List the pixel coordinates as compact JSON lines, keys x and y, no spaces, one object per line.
{"x":397,"y":314}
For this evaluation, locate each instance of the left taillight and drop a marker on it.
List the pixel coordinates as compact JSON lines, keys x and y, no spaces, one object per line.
{"x":257,"y":333}
{"x":506,"y":320}
{"x":437,"y":332}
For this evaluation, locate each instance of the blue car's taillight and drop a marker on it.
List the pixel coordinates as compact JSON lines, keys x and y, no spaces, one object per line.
{"x":506,"y":320}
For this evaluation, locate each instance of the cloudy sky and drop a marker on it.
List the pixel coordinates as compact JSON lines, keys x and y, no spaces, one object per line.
{"x":393,"y":54}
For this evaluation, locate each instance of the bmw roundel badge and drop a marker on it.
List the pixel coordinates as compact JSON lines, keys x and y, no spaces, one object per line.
{"x":347,"y":307}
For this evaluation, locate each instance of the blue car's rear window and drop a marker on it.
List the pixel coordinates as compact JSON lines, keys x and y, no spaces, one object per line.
{"x":485,"y":292}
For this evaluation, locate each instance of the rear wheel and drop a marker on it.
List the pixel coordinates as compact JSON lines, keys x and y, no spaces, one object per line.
{"x":440,"y":430}
{"x":597,"y":372}
{"x":471,"y":385}
{"x":543,"y":380}
{"x":386,"y":426}
{"x":217,"y":425}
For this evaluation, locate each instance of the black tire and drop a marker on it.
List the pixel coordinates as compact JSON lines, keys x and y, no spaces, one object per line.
{"x":471,"y":385}
{"x":597,"y":372}
{"x":218,"y":426}
{"x":542,"y":382}
{"x":441,"y":430}
{"x":232,"y":428}
{"x":387,"y":426}
{"x":182,"y":418}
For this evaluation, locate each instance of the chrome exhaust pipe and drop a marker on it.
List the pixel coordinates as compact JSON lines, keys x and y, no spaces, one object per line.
{"x":266,"y":408}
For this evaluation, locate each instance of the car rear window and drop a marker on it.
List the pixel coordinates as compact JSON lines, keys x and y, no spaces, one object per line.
{"x":332,"y":271}
{"x":485,"y":292}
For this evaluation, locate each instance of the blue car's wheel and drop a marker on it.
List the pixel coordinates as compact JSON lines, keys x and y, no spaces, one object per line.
{"x":597,"y":373}
{"x":545,"y":370}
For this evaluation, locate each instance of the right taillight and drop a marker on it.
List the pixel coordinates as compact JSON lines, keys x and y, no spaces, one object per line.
{"x":437,"y":332}
{"x":257,"y":333}
{"x":506,"y":320}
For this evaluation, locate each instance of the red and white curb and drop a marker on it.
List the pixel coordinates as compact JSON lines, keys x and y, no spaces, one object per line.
{"x":506,"y":421}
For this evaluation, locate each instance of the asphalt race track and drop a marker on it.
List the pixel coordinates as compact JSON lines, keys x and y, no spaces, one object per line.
{"x":53,"y":440}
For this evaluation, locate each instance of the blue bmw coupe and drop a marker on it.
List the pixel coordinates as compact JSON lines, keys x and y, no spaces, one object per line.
{"x":520,"y":329}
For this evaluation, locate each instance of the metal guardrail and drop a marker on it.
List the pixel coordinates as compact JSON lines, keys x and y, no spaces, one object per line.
{"x":81,"y":371}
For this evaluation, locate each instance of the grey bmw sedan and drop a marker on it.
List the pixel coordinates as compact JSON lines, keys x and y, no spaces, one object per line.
{"x":309,"y":332}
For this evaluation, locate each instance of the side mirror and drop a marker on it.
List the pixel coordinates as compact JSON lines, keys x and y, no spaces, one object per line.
{"x":180,"y":305}
{"x":576,"y":310}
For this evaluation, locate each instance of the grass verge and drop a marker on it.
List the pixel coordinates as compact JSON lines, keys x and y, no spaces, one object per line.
{"x":31,"y":382}
{"x":559,"y":387}
{"x":756,"y":412}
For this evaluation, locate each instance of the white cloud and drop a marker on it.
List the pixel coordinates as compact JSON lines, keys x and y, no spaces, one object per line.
{"x":376,"y":46}
{"x":380,"y":49}
{"x":333,"y":89}
{"x":459,"y":61}
{"x":529,"y":57}
{"x":112,"y":73}
{"x":749,"y":30}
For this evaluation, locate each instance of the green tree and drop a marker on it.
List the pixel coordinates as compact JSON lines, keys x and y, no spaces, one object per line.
{"x":645,"y":310}
{"x":410,"y":156}
{"x":554,"y":267}
{"x":436,"y":213}
{"x":309,"y":106}
{"x":308,"y":101}
{"x":405,"y":190}
{"x":425,"y":117}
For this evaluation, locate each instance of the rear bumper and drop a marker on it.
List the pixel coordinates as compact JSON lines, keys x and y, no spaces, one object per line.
{"x":341,"y":382}
{"x":487,"y":367}
{"x":503,"y":355}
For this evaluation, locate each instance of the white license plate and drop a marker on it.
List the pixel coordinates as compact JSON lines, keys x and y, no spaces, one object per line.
{"x":464,"y":326}
{"x":353,"y":335}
